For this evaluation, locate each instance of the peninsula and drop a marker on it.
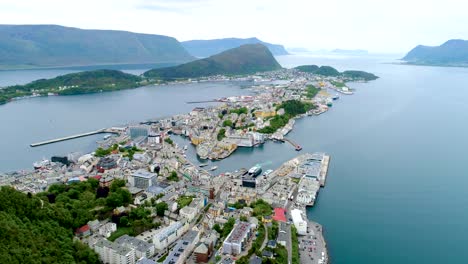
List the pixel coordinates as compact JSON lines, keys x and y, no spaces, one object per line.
{"x":139,"y":198}
{"x":73,"y":83}
{"x":451,"y":53}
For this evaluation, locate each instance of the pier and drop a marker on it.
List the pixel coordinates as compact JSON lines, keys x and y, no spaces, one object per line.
{"x":199,"y":102}
{"x":73,"y":137}
{"x":324,"y":170}
{"x":296,"y":146}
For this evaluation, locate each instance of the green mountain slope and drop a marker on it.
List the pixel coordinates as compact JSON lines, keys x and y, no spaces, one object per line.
{"x":451,"y":53}
{"x":52,"y":45}
{"x":206,"y":48}
{"x":246,"y":59}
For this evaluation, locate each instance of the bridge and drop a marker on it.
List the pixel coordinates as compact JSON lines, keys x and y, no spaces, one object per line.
{"x":100,"y":131}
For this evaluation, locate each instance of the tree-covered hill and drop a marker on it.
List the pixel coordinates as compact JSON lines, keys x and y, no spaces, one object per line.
{"x":246,"y":59}
{"x":206,"y":48}
{"x":31,"y":231}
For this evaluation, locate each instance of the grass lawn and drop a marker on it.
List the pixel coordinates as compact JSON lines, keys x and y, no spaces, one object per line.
{"x":120,"y":232}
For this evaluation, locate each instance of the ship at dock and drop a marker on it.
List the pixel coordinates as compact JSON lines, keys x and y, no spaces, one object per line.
{"x":255,"y":171}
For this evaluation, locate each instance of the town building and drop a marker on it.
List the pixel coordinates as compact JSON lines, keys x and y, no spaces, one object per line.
{"x":237,"y":240}
{"x":299,"y":222}
{"x":183,"y":248}
{"x":142,"y":179}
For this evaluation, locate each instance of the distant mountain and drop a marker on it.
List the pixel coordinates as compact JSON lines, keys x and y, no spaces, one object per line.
{"x":52,"y":45}
{"x":451,"y":53}
{"x":332,"y":72}
{"x":206,"y":48}
{"x":75,"y":83}
{"x":246,"y":59}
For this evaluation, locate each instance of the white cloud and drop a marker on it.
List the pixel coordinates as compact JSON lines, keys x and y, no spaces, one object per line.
{"x":393,"y":26}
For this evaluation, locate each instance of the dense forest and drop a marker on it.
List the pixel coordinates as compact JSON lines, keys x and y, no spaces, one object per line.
{"x":39,"y":228}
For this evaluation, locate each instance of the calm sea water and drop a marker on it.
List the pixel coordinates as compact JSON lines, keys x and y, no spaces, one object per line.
{"x":396,"y":188}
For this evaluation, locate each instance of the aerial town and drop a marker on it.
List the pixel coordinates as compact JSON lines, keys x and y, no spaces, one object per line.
{"x":155,"y":205}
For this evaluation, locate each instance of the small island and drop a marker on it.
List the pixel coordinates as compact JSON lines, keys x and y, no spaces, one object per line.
{"x":329,"y":71}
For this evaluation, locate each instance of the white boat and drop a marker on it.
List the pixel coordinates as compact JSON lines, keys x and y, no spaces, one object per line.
{"x":213,"y":168}
{"x":185,"y":147}
{"x":107,"y":137}
{"x":203,"y":165}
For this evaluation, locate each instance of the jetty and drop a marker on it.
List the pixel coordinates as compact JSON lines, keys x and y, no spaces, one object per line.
{"x":296,"y":146}
{"x":100,"y":131}
{"x":199,"y":102}
{"x":324,"y":170}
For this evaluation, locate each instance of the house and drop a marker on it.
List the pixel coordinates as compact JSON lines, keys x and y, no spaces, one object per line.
{"x":267,"y":254}
{"x":83,"y":231}
{"x":267,"y":219}
{"x":271,"y":244}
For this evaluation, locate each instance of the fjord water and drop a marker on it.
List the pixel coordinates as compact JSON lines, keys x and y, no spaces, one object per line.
{"x":396,"y":187}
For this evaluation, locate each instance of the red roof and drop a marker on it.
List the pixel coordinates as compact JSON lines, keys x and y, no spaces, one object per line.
{"x":82,"y":229}
{"x":280,"y":215}
{"x":97,"y":177}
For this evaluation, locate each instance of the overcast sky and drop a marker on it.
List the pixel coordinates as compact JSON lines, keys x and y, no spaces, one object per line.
{"x":379,"y":26}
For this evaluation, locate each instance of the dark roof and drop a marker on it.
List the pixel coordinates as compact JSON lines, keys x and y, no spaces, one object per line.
{"x":255,"y":260}
{"x":267,"y":254}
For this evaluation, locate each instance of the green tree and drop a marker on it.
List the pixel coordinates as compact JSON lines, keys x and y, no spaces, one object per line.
{"x":114,"y":200}
{"x":117,"y":184}
{"x":161,"y":208}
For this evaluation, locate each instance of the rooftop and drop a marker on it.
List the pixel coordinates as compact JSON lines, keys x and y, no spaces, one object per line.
{"x":144,"y":174}
{"x":239,"y":232}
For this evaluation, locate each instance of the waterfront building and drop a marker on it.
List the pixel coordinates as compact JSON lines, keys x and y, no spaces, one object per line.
{"x":299,"y":222}
{"x":236,"y":241}
{"x":138,"y":131}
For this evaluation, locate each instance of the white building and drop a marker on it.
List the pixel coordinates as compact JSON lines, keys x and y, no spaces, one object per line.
{"x":142,"y":179}
{"x":142,"y":248}
{"x":165,"y":236}
{"x":188,"y":213}
{"x":113,"y":253}
{"x":299,"y":222}
{"x":107,"y":229}
{"x":183,"y":248}
{"x":237,"y":240}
